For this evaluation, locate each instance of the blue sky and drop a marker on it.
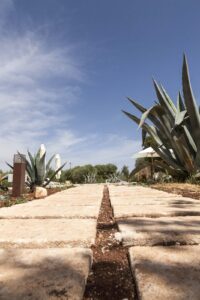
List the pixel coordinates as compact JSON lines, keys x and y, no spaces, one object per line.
{"x":67,"y":66}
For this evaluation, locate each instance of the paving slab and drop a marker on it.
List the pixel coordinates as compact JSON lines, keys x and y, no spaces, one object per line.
{"x":41,"y":274}
{"x":160,"y":231}
{"x":146,"y":202}
{"x":150,"y":193}
{"x":166,"y":273}
{"x":125,"y":190}
{"x":43,"y":233}
{"x":69,"y":200}
{"x":175,"y":201}
{"x":46,"y":211}
{"x":82,"y":197}
{"x":154,"y":211}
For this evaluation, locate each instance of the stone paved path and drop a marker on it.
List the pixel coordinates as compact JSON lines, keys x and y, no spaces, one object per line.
{"x":156,"y":226}
{"x":45,"y":245}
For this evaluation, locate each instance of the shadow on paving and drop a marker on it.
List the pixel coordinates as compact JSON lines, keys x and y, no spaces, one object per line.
{"x":160,"y":231}
{"x":50,"y":278}
{"x":167,"y":276}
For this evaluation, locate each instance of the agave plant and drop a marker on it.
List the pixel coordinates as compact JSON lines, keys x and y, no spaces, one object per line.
{"x":175,"y":129}
{"x":37,"y":169}
{"x":3,"y":178}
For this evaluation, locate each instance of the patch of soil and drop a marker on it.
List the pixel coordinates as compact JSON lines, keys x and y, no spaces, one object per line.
{"x":184,"y":189}
{"x":110,"y":277}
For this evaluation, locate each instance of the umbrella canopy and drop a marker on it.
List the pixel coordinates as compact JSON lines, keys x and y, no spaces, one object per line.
{"x":148,"y":152}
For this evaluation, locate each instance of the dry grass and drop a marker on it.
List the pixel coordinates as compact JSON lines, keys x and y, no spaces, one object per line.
{"x":184,"y":189}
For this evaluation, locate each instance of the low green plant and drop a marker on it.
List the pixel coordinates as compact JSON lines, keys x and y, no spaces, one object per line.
{"x":37,"y":170}
{"x":3,"y":182}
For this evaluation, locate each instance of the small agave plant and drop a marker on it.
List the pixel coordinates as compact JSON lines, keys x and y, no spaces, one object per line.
{"x":37,"y":169}
{"x":175,"y":129}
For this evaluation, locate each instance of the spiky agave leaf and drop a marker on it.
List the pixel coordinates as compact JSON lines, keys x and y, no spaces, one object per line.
{"x":177,"y":129}
{"x":137,"y":105}
{"x":180,"y":104}
{"x":164,"y":153}
{"x":155,"y":110}
{"x":168,"y":99}
{"x":9,"y":165}
{"x":49,"y":163}
{"x":145,"y":127}
{"x":54,"y":174}
{"x":192,"y":108}
{"x":40,"y":168}
{"x":164,"y":102}
{"x":33,"y":167}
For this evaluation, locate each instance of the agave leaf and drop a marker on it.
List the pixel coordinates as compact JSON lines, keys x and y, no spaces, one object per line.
{"x":40,"y":166}
{"x":145,"y":126}
{"x":163,"y":101}
{"x":180,"y":116}
{"x":165,"y":154}
{"x":152,"y":117}
{"x":32,"y":168}
{"x":32,"y":160}
{"x":155,"y":110}
{"x":54,"y":174}
{"x":192,"y":108}
{"x":174,"y":128}
{"x":180,"y":104}
{"x":168,"y":99}
{"x":49,"y":163}
{"x":37,"y":155}
{"x":190,"y":101}
{"x":10,"y":166}
{"x":185,"y":154}
{"x":137,"y":105}
{"x":164,"y":167}
{"x":159,"y":139}
{"x":191,"y":142}
{"x":167,"y":158}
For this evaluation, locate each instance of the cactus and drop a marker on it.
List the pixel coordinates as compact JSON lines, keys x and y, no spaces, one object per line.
{"x":176,"y":128}
{"x":37,"y":169}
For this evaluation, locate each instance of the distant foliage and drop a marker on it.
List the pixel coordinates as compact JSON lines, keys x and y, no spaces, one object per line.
{"x":89,"y":173}
{"x":124,"y":174}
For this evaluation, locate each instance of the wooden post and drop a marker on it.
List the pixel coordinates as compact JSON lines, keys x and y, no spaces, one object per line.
{"x":19,"y":169}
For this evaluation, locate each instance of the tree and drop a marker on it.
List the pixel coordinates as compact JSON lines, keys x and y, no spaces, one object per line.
{"x":89,"y":173}
{"x":105,"y":171}
{"x":125,"y":173}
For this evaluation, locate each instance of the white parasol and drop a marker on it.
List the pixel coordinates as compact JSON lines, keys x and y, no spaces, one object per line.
{"x":148,"y":152}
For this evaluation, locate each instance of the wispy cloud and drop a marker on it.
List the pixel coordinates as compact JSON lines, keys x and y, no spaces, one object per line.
{"x":38,"y":82}
{"x":109,"y":149}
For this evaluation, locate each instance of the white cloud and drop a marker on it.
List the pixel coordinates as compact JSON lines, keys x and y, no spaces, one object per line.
{"x":38,"y":82}
{"x":109,"y":149}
